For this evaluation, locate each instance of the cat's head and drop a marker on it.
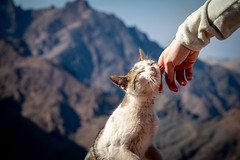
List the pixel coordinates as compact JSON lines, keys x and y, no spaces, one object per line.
{"x":143,"y":79}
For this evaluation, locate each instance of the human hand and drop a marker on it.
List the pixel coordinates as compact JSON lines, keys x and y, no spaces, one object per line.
{"x":177,"y":58}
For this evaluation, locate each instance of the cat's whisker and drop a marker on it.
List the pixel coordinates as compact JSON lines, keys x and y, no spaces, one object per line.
{"x":154,"y":82}
{"x":152,"y":87}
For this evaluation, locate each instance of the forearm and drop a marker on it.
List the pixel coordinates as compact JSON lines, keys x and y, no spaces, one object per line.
{"x":219,"y":18}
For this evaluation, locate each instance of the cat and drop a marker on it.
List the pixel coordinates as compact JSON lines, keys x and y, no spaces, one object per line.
{"x":130,"y":130}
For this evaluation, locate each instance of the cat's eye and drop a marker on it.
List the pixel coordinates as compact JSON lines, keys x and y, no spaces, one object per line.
{"x":152,"y":64}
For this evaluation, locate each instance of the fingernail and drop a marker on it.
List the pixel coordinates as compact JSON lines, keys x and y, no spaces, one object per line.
{"x":175,"y":89}
{"x":183,"y":83}
{"x":189,"y":78}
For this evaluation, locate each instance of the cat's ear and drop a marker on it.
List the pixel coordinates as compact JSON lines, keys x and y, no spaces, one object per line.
{"x":120,"y":81}
{"x":141,"y":55}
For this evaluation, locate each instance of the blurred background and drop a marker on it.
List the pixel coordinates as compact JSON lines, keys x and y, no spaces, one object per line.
{"x":55,"y":95}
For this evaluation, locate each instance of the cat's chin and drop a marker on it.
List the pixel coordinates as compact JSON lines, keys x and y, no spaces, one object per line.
{"x":154,"y":74}
{"x":149,"y":91}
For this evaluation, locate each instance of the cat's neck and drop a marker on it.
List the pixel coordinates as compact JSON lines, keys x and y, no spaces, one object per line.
{"x":146,"y":101}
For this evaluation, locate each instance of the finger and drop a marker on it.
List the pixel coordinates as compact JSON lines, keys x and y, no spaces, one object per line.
{"x":180,"y":78}
{"x":161,"y":85}
{"x":161,"y":88}
{"x":169,"y":70}
{"x":171,"y":84}
{"x":161,"y":70}
{"x":169,"y":77}
{"x":189,"y":74}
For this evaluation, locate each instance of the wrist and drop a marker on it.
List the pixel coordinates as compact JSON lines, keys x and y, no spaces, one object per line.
{"x":189,"y":46}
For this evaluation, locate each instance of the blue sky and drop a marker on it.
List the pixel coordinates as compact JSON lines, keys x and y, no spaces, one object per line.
{"x":159,"y":19}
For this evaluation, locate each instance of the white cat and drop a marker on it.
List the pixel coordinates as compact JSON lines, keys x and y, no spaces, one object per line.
{"x":130,"y":130}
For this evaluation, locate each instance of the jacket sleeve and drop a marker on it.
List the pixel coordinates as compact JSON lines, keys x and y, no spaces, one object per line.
{"x":219,"y":18}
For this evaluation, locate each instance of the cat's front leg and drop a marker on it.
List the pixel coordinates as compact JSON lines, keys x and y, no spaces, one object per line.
{"x":153,"y":154}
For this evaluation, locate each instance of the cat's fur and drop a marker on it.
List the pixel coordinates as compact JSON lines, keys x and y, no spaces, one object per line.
{"x":130,"y":130}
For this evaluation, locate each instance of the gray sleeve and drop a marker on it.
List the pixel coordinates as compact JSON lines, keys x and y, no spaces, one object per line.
{"x":219,"y":18}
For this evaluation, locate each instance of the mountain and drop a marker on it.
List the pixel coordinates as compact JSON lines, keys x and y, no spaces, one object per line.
{"x":229,"y":64}
{"x":78,"y":43}
{"x":14,"y":19}
{"x":55,"y":94}
{"x":28,"y":130}
{"x":62,"y":104}
{"x":188,"y":138}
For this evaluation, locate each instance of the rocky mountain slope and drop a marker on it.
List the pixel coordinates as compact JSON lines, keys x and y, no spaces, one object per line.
{"x":54,"y":87}
{"x":75,"y":38}
{"x":191,"y":138}
{"x":30,"y":116}
{"x":233,"y":65}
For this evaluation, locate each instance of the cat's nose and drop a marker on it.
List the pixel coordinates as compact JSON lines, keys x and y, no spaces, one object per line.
{"x":153,"y":69}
